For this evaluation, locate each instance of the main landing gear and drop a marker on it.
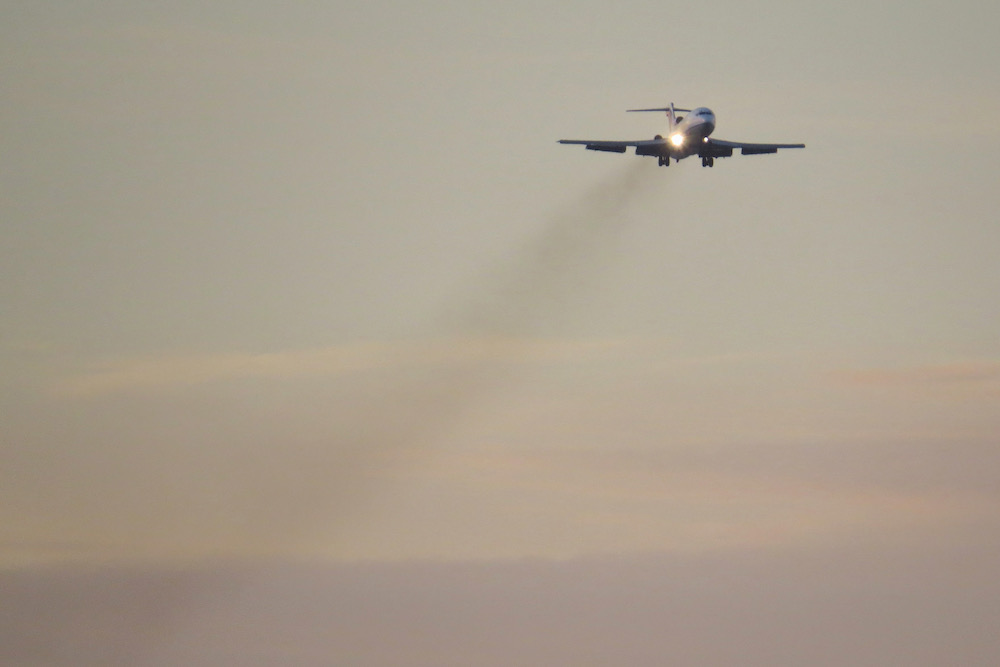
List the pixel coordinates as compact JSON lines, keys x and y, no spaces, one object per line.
{"x":708,"y":162}
{"x":664,"y":160}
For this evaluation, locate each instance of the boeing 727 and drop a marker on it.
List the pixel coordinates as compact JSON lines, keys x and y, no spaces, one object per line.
{"x":687,"y":135}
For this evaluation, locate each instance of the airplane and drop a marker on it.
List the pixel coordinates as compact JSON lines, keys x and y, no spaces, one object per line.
{"x":687,"y":135}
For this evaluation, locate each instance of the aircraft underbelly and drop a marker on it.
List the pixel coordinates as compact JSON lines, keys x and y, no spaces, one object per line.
{"x":694,"y":139}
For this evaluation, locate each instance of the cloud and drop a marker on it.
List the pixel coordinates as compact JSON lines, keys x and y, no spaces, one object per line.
{"x":154,"y":373}
{"x":974,"y":375}
{"x":575,"y":501}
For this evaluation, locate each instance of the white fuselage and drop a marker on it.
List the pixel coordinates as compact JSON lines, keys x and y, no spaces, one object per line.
{"x":687,"y":135}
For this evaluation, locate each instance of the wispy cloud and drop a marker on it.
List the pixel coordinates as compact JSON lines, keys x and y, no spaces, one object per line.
{"x":982,"y":375}
{"x":152,"y":373}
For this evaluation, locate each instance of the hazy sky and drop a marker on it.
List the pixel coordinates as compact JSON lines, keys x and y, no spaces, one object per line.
{"x":314,"y":283}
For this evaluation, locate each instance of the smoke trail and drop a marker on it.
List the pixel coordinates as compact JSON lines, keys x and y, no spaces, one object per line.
{"x":384,"y":418}
{"x":406,"y":414}
{"x":556,"y":264}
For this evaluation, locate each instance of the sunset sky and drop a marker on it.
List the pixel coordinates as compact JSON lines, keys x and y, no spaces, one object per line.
{"x":304,"y":304}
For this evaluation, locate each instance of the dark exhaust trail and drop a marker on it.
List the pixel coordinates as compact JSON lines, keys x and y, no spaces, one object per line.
{"x":405,"y":413}
{"x":312,"y":485}
{"x":415,"y":411}
{"x":558,"y":265}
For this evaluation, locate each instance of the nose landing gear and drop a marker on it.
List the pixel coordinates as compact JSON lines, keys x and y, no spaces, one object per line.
{"x":664,"y":161}
{"x":708,"y":162}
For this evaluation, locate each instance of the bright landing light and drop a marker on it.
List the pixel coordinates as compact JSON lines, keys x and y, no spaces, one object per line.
{"x":677,"y":139}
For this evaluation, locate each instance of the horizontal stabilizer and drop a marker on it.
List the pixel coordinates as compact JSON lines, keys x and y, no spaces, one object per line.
{"x":664,"y":109}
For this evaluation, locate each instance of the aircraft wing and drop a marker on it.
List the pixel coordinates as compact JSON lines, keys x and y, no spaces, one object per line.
{"x":722,"y":148}
{"x":613,"y":146}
